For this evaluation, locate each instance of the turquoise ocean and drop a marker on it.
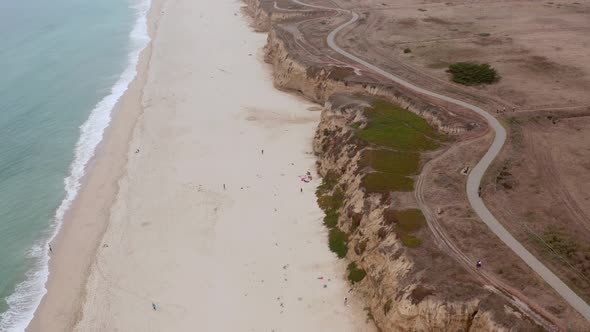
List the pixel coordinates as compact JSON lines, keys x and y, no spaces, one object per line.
{"x":63,"y":66}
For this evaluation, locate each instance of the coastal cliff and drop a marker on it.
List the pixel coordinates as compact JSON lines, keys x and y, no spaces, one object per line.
{"x":317,"y":76}
{"x":395,"y":265}
{"x":408,"y":286}
{"x":317,"y":82}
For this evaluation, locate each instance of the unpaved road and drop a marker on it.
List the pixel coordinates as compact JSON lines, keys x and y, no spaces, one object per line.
{"x":474,"y":179}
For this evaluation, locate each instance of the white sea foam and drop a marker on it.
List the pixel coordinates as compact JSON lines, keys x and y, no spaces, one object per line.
{"x":28,"y":294}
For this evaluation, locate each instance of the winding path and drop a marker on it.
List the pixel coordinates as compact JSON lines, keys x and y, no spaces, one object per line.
{"x":475,"y":176}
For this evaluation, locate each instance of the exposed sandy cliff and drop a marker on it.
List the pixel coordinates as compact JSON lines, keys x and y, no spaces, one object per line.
{"x":405,"y":289}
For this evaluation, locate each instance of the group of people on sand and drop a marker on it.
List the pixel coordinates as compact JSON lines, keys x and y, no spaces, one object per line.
{"x":307,"y":177}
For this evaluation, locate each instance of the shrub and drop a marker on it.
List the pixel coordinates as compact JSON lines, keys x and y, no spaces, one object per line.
{"x":337,"y":242}
{"x":468,"y":73}
{"x":331,"y":202}
{"x":355,"y":274}
{"x":331,"y":219}
{"x":407,"y":50}
{"x":328,"y":183}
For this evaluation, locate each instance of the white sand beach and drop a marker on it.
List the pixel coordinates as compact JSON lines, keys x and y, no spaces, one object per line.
{"x":247,"y":257}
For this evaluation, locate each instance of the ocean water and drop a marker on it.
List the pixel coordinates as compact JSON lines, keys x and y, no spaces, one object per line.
{"x":63,"y":66}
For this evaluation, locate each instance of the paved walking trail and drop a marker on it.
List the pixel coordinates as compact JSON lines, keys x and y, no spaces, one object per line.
{"x":475,"y":176}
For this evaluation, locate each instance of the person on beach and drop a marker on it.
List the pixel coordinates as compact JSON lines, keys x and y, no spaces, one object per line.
{"x":262,"y":151}
{"x":154,"y":306}
{"x":224,"y":186}
{"x":346,"y":301}
{"x":301,"y":189}
{"x":50,"y":249}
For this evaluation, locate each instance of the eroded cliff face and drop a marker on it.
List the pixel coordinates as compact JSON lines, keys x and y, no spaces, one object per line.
{"x":259,"y":14}
{"x":399,"y":291}
{"x":318,"y":82}
{"x":405,"y":289}
{"x":318,"y":76}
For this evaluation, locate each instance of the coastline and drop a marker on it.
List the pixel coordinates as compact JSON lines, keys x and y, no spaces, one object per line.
{"x":75,"y":244}
{"x":77,"y":248}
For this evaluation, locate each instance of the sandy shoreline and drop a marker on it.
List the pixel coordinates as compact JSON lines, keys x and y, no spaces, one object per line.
{"x":158,"y":226}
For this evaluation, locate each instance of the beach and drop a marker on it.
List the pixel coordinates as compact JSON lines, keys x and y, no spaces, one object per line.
{"x":64,"y":66}
{"x":194,"y":215}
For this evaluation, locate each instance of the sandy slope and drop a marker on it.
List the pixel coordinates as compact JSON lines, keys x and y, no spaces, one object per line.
{"x":246,"y":258}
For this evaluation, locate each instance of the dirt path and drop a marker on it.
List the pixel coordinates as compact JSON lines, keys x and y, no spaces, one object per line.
{"x":446,"y":244}
{"x":474,"y":179}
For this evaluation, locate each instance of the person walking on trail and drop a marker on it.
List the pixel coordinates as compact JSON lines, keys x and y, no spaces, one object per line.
{"x":478,"y":264}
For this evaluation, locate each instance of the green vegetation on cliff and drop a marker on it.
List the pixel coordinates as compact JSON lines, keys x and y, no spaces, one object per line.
{"x":355,"y":274}
{"x":338,"y":242}
{"x":406,"y":224}
{"x":330,"y":204}
{"x":391,"y":162}
{"x":392,"y":170}
{"x":396,"y":139}
{"x":329,"y":181}
{"x":398,"y":136}
{"x":394,"y":127}
{"x":378,"y":182}
{"x":331,"y":199}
